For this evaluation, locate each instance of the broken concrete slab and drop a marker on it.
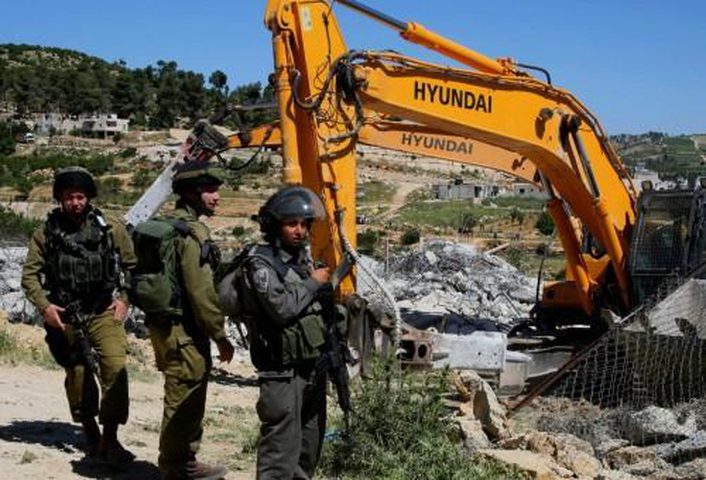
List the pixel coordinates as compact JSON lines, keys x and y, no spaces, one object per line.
{"x":692,"y":447}
{"x":534,"y":465}
{"x":657,"y":425}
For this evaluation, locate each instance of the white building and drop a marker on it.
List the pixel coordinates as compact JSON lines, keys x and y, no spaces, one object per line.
{"x":102,"y":124}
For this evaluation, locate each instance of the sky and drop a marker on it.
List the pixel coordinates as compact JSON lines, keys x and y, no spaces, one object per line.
{"x":638,"y":65}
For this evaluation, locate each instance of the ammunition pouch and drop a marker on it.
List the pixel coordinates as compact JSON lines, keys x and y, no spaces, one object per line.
{"x":303,"y":341}
{"x":299,"y":343}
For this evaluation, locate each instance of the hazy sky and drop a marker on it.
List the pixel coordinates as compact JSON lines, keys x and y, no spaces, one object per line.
{"x":639,"y":65}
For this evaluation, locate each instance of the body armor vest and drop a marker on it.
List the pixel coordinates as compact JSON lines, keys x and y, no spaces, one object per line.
{"x":81,"y":265}
{"x":273,"y":347}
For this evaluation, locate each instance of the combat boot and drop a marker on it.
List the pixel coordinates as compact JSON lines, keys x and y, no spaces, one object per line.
{"x":110,"y":449}
{"x":196,"y":470}
{"x":93,"y":437}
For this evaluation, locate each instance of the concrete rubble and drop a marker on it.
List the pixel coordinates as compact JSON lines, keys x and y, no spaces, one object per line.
{"x":12,"y":299}
{"x":472,"y":290}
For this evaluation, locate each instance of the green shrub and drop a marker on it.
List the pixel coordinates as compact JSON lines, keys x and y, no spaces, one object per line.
{"x":142,"y":178}
{"x":128,"y":152}
{"x":239,"y":231}
{"x":401,"y":429}
{"x":13,"y":225}
{"x":368,"y":241}
{"x":410,"y":237}
{"x":545,"y":224}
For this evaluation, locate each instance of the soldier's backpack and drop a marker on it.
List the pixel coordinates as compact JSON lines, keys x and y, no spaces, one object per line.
{"x":155,"y":285}
{"x":229,"y":287}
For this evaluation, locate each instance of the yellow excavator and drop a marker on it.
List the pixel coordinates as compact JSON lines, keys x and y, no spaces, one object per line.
{"x":329,"y":97}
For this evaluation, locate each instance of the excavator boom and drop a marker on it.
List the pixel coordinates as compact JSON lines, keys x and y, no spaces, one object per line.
{"x":413,"y":139}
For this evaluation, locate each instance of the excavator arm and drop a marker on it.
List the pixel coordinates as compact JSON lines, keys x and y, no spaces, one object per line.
{"x":413,"y":139}
{"x":324,"y":93}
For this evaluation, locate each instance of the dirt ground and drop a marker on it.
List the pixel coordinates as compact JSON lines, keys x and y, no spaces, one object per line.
{"x":38,"y":440}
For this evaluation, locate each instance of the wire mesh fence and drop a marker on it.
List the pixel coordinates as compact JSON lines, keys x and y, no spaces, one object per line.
{"x":647,"y":377}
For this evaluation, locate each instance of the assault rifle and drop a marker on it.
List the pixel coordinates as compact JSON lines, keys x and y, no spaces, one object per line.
{"x":336,"y":355}
{"x":73,"y":315}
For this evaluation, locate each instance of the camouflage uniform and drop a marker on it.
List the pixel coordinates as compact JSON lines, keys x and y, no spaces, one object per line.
{"x":105,"y":333}
{"x":183,"y":351}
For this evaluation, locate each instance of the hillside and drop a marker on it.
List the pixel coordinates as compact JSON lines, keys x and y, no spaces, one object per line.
{"x":671,"y":157}
{"x":35,"y":79}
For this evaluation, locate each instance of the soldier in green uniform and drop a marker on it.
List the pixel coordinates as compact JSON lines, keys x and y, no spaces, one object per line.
{"x":286,"y":330}
{"x":76,"y":261}
{"x":182,"y":345}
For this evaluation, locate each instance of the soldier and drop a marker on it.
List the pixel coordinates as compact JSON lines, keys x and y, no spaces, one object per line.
{"x":286,"y":330}
{"x":182,"y":344}
{"x":72,"y":275}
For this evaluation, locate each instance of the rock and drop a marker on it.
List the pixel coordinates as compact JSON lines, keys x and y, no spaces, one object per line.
{"x":621,"y":458}
{"x":470,"y":379}
{"x":614,"y":475}
{"x":646,"y":467}
{"x":533,"y":465}
{"x":474,"y":438}
{"x":431,"y":257}
{"x":604,"y":448}
{"x":581,"y":463}
{"x":692,"y":447}
{"x":657,"y":425}
{"x":567,"y":450}
{"x":694,"y":470}
{"x":490,"y":412}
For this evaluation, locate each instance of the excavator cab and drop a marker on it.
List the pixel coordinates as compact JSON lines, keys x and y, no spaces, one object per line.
{"x":669,"y":239}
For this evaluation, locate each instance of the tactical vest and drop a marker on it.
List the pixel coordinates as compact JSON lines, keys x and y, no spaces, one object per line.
{"x":82,"y":265}
{"x":271,"y":346}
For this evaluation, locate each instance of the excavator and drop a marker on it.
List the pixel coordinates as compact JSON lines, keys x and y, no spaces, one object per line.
{"x":618,"y":248}
{"x":328,"y":95}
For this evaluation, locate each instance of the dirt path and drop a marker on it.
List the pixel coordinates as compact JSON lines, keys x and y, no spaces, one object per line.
{"x":37,"y":439}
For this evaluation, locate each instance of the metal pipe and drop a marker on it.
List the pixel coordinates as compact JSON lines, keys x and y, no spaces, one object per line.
{"x":417,"y":33}
{"x":574,"y":123}
{"x":398,"y":25}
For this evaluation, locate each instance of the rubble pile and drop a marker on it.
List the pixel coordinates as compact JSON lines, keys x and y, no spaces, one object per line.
{"x":454,"y":280}
{"x":575,"y":439}
{"x":12,"y":299}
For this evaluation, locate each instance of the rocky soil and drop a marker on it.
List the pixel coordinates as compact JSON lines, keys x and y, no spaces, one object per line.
{"x":38,"y":440}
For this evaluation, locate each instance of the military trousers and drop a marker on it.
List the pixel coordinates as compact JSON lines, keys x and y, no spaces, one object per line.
{"x":292,"y":412}
{"x":109,"y":341}
{"x":185,"y":362}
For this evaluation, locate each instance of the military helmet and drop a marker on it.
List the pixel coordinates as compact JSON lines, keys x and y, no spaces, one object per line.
{"x":195,"y":175}
{"x":290,"y":202}
{"x":77,"y":177}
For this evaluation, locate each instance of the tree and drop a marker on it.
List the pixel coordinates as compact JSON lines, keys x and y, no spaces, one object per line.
{"x":545,"y":224}
{"x":468,"y":223}
{"x":410,"y":237}
{"x":517,"y":215}
{"x":219,"y":81}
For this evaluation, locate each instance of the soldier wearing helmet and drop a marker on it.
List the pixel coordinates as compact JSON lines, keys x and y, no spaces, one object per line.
{"x":182,"y":345}
{"x":76,"y":261}
{"x":286,"y":331}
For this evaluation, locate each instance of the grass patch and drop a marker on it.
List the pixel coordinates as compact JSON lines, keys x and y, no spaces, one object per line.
{"x":376,"y":192}
{"x":13,"y":352}
{"x":401,"y":429}
{"x":446,"y":214}
{"x":524,"y":203}
{"x":238,"y":430}
{"x":15,"y":226}
{"x":137,"y":373}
